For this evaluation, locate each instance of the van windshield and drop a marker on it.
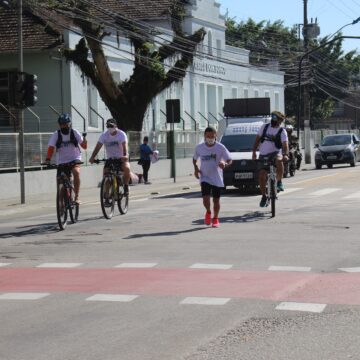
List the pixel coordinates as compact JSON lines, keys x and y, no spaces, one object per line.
{"x":239,"y":143}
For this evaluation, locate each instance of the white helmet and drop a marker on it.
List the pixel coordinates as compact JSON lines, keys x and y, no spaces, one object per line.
{"x":289,"y":127}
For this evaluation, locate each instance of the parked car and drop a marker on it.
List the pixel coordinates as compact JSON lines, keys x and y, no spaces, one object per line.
{"x":337,"y":149}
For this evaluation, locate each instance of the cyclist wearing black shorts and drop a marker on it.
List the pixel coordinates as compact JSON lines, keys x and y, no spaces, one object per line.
{"x":116,"y":146}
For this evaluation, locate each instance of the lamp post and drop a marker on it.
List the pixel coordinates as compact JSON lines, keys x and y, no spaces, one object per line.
{"x":299,"y":73}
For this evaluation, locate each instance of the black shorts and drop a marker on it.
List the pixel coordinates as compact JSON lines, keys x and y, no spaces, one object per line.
{"x":117,"y":163}
{"x":208,"y":190}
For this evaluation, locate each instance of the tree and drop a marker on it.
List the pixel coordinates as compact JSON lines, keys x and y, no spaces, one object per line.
{"x":329,"y":73}
{"x":128,"y":100}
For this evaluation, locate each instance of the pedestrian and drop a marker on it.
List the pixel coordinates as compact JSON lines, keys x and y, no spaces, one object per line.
{"x":145,"y":159}
{"x":214,"y":157}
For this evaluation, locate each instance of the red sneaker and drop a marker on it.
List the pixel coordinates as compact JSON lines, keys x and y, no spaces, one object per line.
{"x":215,"y":222}
{"x":207,"y":218}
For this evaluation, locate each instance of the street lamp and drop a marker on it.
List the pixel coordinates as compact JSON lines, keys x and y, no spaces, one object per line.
{"x":299,"y":73}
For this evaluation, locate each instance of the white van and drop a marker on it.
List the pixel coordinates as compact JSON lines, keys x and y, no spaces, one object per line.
{"x":239,"y":137}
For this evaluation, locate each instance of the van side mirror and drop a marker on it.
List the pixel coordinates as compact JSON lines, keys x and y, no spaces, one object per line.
{"x":316,"y":145}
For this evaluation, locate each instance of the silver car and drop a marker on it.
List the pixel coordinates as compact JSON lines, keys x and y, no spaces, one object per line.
{"x":337,"y":149}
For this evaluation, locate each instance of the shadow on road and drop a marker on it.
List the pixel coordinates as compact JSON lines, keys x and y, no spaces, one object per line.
{"x":31,"y":230}
{"x":165,"y":233}
{"x":246,"y":218}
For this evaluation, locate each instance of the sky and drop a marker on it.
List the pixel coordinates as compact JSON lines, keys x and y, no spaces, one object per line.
{"x":331,"y":14}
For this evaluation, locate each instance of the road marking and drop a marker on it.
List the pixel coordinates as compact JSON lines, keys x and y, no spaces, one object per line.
{"x":353,"y":196}
{"x":211,"y":266}
{"x":4,"y":264}
{"x":136,"y":265}
{"x":314,"y":179}
{"x":23,"y":296}
{"x":289,"y":268}
{"x":295,"y":306}
{"x":290,"y":190}
{"x":204,"y":301}
{"x":323,"y":192}
{"x":350,"y":270}
{"x":111,"y":297}
{"x":59,"y":265}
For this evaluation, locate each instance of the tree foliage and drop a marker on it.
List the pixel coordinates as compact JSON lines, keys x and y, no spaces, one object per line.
{"x":156,"y":66}
{"x":329,"y":73}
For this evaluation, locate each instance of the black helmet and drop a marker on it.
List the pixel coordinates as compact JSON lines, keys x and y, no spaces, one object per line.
{"x":111,"y":123}
{"x":64,"y":119}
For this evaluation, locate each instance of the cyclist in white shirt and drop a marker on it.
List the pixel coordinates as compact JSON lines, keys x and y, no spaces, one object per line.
{"x":116,"y":146}
{"x":272,"y":139}
{"x":66,"y":141}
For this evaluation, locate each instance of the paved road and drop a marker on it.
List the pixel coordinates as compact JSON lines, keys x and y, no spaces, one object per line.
{"x":158,"y":284}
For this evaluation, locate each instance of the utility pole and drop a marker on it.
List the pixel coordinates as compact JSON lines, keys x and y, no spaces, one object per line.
{"x":21,"y":111}
{"x":306,"y":49}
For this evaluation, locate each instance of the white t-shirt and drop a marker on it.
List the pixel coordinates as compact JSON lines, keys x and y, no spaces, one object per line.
{"x":113,"y":143}
{"x":267,"y":146}
{"x":67,"y":152}
{"x":210,"y":156}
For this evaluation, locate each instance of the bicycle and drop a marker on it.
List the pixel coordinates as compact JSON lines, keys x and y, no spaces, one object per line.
{"x":65,"y":194}
{"x":112,"y":189}
{"x":268,"y":163}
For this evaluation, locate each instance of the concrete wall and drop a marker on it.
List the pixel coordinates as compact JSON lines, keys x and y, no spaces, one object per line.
{"x":41,"y":182}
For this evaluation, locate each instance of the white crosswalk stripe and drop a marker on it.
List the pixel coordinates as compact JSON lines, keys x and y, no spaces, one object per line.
{"x":325,"y":191}
{"x":355,"y":195}
{"x":295,"y":306}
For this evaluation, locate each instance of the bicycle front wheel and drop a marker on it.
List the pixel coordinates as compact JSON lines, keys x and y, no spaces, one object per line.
{"x":61,"y":206}
{"x":273,"y":192}
{"x":107,"y":197}
{"x":73,"y":208}
{"x":123,"y":200}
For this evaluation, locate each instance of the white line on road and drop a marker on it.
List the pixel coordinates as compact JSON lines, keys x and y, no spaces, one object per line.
{"x":294,"y":306}
{"x":289,"y":268}
{"x":111,"y":297}
{"x":59,"y":265}
{"x":4,"y":264}
{"x":23,"y":296}
{"x":204,"y":301}
{"x":353,"y":196}
{"x":314,"y":178}
{"x":323,"y":192}
{"x":211,"y":266}
{"x":290,"y":190}
{"x":350,"y":270}
{"x":136,"y":265}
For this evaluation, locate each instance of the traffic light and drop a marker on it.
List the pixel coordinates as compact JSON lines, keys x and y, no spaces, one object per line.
{"x":22,"y":90}
{"x":29,"y":90}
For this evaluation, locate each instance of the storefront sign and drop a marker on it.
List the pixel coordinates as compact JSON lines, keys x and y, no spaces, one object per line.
{"x":209,"y":68}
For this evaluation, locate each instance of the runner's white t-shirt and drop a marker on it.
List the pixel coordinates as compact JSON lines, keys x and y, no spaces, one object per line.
{"x":210,"y":156}
{"x":67,"y":152}
{"x":113,"y":143}
{"x":267,"y":146}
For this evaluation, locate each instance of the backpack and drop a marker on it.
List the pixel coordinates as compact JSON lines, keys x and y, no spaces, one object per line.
{"x":72,"y":139}
{"x":275,"y":139}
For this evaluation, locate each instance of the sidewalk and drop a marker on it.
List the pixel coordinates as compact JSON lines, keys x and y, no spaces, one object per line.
{"x":89,"y":195}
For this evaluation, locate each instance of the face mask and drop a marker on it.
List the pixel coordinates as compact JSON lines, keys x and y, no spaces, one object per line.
{"x":210,"y":141}
{"x":65,"y":131}
{"x":274,"y":123}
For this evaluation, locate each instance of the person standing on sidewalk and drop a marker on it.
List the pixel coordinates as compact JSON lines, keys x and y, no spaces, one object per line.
{"x":214,"y":157}
{"x":145,"y":160}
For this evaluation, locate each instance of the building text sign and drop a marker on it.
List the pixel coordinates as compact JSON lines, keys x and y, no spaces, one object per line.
{"x":209,"y":68}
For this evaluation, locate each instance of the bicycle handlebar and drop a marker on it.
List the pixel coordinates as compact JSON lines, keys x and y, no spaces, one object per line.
{"x":70,"y":164}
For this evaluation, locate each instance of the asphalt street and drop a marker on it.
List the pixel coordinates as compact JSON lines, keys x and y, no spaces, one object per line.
{"x":157,"y":283}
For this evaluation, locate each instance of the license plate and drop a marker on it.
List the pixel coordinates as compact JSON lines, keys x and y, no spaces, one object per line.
{"x":332,"y":157}
{"x":244,"y":175}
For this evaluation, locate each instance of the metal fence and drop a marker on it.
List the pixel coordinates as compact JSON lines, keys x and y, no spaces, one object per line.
{"x":35,"y":146}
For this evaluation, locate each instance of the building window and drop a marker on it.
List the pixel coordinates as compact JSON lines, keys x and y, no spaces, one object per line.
{"x":4,"y":98}
{"x":234,"y":93}
{"x":220,"y":101}
{"x":267,"y":94}
{"x":202,"y":103}
{"x":210,"y":50}
{"x":246,"y":93}
{"x":256,"y":93}
{"x":277,"y":102}
{"x":93,"y":104}
{"x":218,"y":48}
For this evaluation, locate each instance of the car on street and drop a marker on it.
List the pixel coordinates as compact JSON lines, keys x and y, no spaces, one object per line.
{"x":337,"y":149}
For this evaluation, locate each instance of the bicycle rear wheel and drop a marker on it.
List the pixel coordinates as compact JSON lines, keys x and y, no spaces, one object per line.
{"x":61,"y":206}
{"x":273,"y":192}
{"x":107,"y":197}
{"x":123,"y":200}
{"x":73,"y":208}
